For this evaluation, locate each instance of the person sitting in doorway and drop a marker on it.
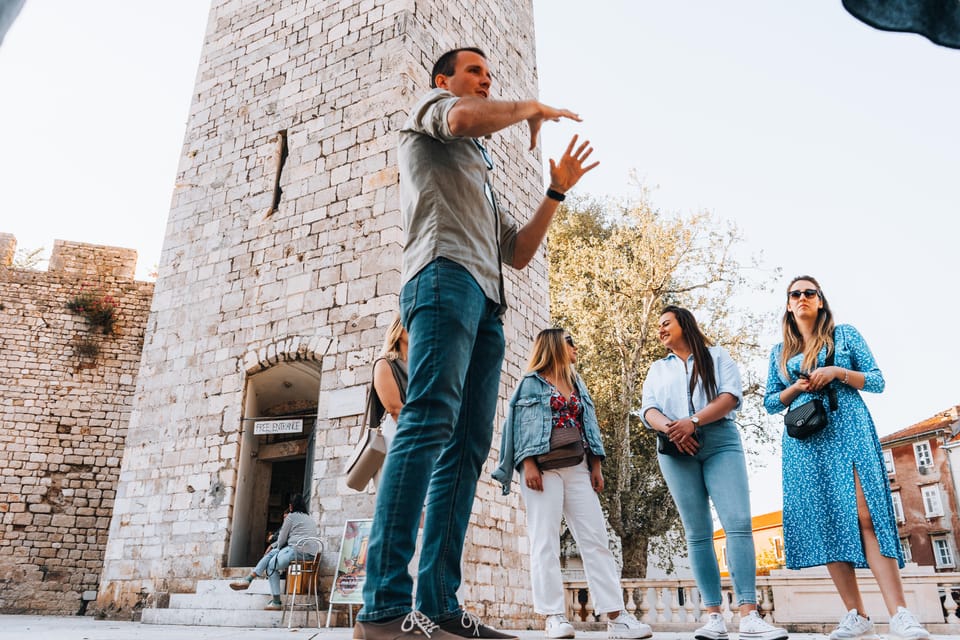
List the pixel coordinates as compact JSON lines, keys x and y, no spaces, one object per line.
{"x":297,"y":525}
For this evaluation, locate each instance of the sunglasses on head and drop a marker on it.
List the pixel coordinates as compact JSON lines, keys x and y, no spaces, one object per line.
{"x":569,"y":340}
{"x":805,"y":293}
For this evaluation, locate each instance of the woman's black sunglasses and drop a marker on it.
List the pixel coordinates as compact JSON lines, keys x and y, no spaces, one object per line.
{"x":806,"y":293}
{"x":569,"y":340}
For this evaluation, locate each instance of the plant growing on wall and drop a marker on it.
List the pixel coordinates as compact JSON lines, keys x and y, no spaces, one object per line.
{"x":99,"y":310}
{"x":86,"y":348}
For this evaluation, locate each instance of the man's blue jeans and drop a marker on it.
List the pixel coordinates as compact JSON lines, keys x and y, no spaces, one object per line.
{"x":717,"y":472}
{"x":443,"y":438}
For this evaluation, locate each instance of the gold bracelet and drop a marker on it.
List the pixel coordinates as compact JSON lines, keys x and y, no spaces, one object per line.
{"x":845,"y":372}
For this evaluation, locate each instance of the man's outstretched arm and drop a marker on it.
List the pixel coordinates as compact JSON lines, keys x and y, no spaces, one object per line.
{"x":564,"y":174}
{"x":474,"y":117}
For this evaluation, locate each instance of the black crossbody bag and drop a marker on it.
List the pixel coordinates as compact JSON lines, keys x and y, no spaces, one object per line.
{"x":811,"y":417}
{"x":666,"y":446}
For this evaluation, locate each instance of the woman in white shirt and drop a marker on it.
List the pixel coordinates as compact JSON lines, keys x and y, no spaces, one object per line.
{"x":690,"y":398}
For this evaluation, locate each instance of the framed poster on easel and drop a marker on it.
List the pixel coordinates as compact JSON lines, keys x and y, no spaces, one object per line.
{"x":351,"y":572}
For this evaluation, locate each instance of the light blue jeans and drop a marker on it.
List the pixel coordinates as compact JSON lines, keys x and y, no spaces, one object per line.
{"x":442,"y":440}
{"x":718,"y":472}
{"x":273,"y":563}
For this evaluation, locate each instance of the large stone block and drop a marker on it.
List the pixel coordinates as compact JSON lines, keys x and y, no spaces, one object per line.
{"x":803,"y":596}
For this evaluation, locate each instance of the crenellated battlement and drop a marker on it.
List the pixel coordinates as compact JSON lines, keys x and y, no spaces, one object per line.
{"x":97,"y":262}
{"x":93,"y":260}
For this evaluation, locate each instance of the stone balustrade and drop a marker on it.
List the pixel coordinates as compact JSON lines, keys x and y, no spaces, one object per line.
{"x":800,"y":600}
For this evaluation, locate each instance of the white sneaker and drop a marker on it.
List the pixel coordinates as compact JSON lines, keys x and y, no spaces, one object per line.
{"x":905,"y":625}
{"x":559,"y":627}
{"x":854,"y":626}
{"x":715,"y":629}
{"x":626,"y":625}
{"x":756,"y":628}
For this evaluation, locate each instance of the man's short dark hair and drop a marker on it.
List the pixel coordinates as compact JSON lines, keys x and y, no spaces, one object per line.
{"x":447,"y":63}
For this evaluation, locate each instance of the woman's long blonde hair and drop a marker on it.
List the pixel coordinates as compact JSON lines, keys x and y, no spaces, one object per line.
{"x":391,"y":343}
{"x":793,"y":340}
{"x":550,"y":356}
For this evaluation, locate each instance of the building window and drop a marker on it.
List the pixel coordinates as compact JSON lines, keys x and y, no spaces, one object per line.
{"x":923,"y":454}
{"x":897,"y":506}
{"x":888,"y":460}
{"x":932,"y":505}
{"x":778,"y":548}
{"x":943,"y":553}
{"x":723,"y":557}
{"x":907,"y":549}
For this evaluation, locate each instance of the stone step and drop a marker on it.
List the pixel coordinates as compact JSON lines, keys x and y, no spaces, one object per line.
{"x":260,"y":586}
{"x":238,"y":600}
{"x":214,"y":617}
{"x":227,"y":618}
{"x":235,"y":572}
{"x":217,"y":594}
{"x":215,"y":604}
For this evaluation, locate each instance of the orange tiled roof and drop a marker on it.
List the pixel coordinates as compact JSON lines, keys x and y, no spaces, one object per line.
{"x":939,"y":422}
{"x":764,"y":521}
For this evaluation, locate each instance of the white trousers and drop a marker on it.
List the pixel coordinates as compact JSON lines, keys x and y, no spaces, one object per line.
{"x":567,"y":492}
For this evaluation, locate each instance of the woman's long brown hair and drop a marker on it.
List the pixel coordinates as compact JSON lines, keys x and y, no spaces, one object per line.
{"x":793,"y":342}
{"x":698,"y":343}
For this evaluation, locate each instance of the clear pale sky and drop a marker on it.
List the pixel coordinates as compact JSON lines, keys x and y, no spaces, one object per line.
{"x":834,"y":147}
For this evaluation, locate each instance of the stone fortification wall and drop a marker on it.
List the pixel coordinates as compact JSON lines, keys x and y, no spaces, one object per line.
{"x":64,"y":413}
{"x":283,"y":245}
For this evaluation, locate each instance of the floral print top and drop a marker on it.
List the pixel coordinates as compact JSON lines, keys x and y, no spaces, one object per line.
{"x":568,"y":413}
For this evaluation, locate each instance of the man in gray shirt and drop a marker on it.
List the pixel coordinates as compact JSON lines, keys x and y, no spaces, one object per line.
{"x":451,"y":305}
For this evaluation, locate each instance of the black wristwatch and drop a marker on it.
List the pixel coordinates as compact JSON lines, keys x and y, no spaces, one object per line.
{"x":556,"y":195}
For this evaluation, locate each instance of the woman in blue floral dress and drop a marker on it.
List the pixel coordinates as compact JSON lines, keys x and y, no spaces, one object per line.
{"x":836,"y":498}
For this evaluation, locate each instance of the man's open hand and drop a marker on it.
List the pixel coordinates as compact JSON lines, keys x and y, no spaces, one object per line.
{"x":547,"y":113}
{"x":567,"y":171}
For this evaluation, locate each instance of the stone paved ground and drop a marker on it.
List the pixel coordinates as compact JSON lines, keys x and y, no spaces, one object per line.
{"x":84,"y":628}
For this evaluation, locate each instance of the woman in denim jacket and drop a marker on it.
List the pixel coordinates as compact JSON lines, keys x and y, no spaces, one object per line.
{"x":551,"y":397}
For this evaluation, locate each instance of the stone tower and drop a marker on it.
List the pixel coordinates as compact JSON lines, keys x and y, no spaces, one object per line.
{"x":280,"y":271}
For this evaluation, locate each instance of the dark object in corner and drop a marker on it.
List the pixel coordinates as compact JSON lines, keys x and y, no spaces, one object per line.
{"x":936,"y":20}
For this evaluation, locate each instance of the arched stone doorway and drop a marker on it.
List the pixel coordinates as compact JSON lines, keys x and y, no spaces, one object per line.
{"x":276,"y":453}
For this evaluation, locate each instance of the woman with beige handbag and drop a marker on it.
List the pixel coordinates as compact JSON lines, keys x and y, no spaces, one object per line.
{"x":390,"y":377}
{"x":385,"y":399}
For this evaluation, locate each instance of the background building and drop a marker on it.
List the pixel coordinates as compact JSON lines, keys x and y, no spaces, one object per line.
{"x":767,"y":541}
{"x":922,"y":467}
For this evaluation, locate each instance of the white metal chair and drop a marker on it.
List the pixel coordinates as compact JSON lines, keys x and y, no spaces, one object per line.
{"x":303,"y":580}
